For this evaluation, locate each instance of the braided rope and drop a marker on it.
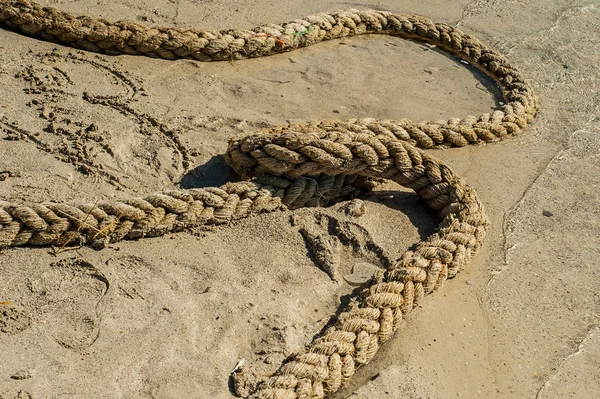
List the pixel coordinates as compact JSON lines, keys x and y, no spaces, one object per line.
{"x":293,"y":166}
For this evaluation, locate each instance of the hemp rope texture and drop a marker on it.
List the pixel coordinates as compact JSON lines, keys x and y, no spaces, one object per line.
{"x":293,"y":166}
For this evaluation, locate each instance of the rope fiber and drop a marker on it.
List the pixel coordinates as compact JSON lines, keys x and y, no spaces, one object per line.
{"x":293,"y":166}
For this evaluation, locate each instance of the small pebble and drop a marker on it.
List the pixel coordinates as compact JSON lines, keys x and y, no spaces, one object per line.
{"x":361,"y":273}
{"x":547,"y":213}
{"x":294,"y":220}
{"x":355,"y":208}
{"x":21,"y":375}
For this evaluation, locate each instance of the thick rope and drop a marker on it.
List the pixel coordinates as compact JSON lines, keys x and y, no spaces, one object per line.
{"x":293,"y":166}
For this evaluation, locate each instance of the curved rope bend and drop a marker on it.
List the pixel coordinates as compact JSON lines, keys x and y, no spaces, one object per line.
{"x":293,"y":166}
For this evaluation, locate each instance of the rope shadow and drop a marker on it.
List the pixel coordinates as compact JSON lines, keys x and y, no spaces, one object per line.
{"x":213,"y":173}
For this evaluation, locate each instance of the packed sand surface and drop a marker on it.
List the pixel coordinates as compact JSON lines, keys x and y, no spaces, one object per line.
{"x":171,"y":316}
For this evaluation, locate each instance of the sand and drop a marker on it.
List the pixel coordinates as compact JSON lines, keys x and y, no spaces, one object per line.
{"x":171,"y":316}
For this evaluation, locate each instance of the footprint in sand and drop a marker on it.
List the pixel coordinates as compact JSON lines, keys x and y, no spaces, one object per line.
{"x":71,"y":293}
{"x":329,"y":238}
{"x":13,"y":318}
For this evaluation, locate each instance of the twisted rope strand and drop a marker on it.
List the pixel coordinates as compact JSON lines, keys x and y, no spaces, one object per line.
{"x":292,"y":166}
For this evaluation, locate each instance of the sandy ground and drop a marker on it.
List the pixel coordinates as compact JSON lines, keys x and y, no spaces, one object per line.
{"x":170,"y":317}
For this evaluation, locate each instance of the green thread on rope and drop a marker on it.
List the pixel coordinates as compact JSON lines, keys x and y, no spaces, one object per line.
{"x":308,"y":29}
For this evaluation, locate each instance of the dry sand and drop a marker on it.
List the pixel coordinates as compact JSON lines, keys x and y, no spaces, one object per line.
{"x":170,"y":317}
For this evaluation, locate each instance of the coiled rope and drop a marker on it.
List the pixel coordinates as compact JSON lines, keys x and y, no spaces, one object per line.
{"x":293,"y":166}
